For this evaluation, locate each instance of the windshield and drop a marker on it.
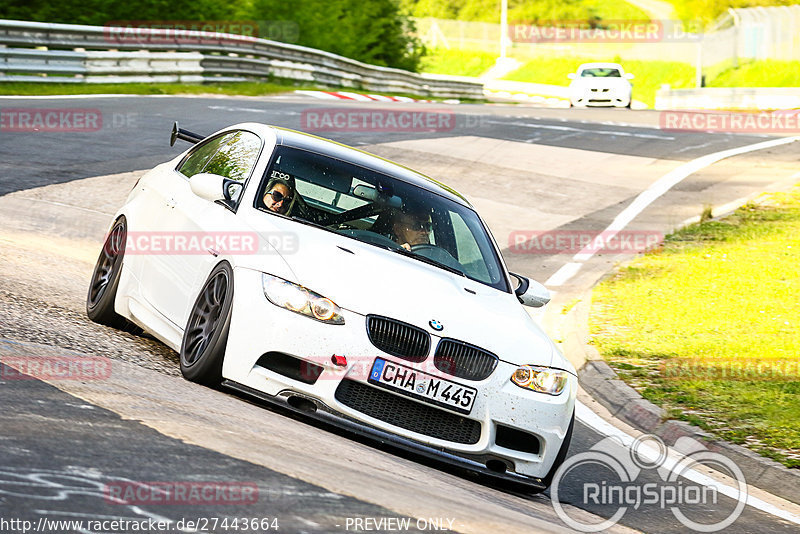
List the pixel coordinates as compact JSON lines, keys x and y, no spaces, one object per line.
{"x":601,"y":73}
{"x":380,"y":210}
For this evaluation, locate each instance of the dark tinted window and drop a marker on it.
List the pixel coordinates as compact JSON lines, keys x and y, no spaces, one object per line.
{"x":381,"y":210}
{"x":237,"y":157}
{"x":200,"y":156}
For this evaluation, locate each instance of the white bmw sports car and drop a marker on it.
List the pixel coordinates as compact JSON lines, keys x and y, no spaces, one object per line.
{"x":600,"y":84}
{"x":345,"y":286}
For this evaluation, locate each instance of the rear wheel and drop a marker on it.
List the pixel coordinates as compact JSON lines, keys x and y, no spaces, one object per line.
{"x":206,"y":334}
{"x":105,"y":278}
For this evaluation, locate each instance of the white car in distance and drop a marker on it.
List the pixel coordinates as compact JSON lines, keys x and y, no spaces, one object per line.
{"x":600,"y":84}
{"x":421,"y":342}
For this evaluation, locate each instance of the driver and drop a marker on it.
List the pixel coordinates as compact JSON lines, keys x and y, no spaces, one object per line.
{"x":279,"y":196}
{"x":411,"y":228}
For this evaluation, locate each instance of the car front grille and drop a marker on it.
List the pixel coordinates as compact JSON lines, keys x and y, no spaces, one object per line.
{"x":398,"y":339}
{"x":463,"y":360}
{"x":405,"y":413}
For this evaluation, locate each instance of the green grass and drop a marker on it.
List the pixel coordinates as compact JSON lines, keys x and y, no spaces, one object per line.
{"x":235,"y":89}
{"x":242,"y":88}
{"x":767,"y":73}
{"x":649,"y":75}
{"x":707,"y":11}
{"x":717,"y":292}
{"x":457,"y":62}
{"x":525,"y":11}
{"x":616,"y":10}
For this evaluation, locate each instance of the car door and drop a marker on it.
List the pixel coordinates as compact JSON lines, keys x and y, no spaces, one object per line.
{"x":190,"y":223}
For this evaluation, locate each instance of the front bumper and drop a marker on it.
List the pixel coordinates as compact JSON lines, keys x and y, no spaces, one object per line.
{"x":258,"y":327}
{"x":601,"y":97}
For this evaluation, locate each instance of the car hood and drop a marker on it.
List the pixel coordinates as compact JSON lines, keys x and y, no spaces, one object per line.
{"x":601,"y":83}
{"x":366,"y":279}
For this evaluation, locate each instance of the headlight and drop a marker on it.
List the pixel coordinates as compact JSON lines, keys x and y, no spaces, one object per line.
{"x":541,"y":379}
{"x":300,"y":300}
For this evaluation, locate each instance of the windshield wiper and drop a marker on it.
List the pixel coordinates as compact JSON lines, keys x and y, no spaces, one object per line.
{"x":427,"y":260}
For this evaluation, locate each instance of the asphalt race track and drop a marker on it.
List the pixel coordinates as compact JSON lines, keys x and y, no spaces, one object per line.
{"x":523,"y":168}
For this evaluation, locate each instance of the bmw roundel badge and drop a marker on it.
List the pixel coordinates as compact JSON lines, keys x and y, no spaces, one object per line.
{"x":436,"y":325}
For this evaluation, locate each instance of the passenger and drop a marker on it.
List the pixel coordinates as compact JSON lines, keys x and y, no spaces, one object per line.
{"x":280,"y":195}
{"x":411,"y":228}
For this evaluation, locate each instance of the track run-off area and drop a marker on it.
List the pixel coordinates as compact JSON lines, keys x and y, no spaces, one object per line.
{"x":526,"y":170}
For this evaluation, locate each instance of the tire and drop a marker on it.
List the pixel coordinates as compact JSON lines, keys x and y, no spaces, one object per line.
{"x":105,"y":278}
{"x":562,"y":453}
{"x":206,"y":333}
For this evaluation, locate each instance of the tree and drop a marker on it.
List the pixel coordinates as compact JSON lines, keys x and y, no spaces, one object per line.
{"x":372,"y":31}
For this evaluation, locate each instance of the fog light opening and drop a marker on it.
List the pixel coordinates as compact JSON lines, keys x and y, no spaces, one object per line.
{"x":299,"y":403}
{"x":496,"y":466}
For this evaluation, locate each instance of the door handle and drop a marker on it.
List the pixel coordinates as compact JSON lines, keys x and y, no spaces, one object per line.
{"x":171,"y":203}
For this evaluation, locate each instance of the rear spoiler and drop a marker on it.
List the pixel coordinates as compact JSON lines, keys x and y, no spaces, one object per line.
{"x":186,"y":135}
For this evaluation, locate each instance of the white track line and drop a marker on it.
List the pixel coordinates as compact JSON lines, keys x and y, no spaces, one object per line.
{"x":566,"y":272}
{"x":586,"y":130}
{"x":649,"y":195}
{"x":585,"y":415}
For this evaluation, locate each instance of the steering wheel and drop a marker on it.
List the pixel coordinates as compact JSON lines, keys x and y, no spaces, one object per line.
{"x":435,"y":253}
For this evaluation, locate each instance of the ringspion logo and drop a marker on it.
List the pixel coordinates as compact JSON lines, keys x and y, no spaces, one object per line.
{"x":614,"y":474}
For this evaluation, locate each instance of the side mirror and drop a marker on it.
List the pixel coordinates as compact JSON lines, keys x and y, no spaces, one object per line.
{"x":214,"y":187}
{"x":530,"y":292}
{"x":572,"y":75}
{"x":628,"y":75}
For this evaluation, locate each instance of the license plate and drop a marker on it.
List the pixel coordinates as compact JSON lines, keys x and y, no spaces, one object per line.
{"x":422,"y":386}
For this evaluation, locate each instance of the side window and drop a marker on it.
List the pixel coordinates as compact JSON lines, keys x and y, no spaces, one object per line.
{"x":237,"y":157}
{"x":195,"y":162}
{"x":469,"y":253}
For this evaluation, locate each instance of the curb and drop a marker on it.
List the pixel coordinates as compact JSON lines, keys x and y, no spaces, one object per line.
{"x":600,"y":381}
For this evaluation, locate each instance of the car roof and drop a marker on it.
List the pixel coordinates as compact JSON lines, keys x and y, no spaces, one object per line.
{"x":312,"y":143}
{"x":601,"y":66}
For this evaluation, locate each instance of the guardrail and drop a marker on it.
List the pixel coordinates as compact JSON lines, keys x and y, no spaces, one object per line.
{"x":44,"y":52}
{"x":734,"y":98}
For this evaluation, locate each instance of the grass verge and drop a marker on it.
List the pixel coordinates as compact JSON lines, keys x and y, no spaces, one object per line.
{"x":234,"y":89}
{"x":457,"y":62}
{"x":241,"y":88}
{"x":708,"y":326}
{"x":766,"y":73}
